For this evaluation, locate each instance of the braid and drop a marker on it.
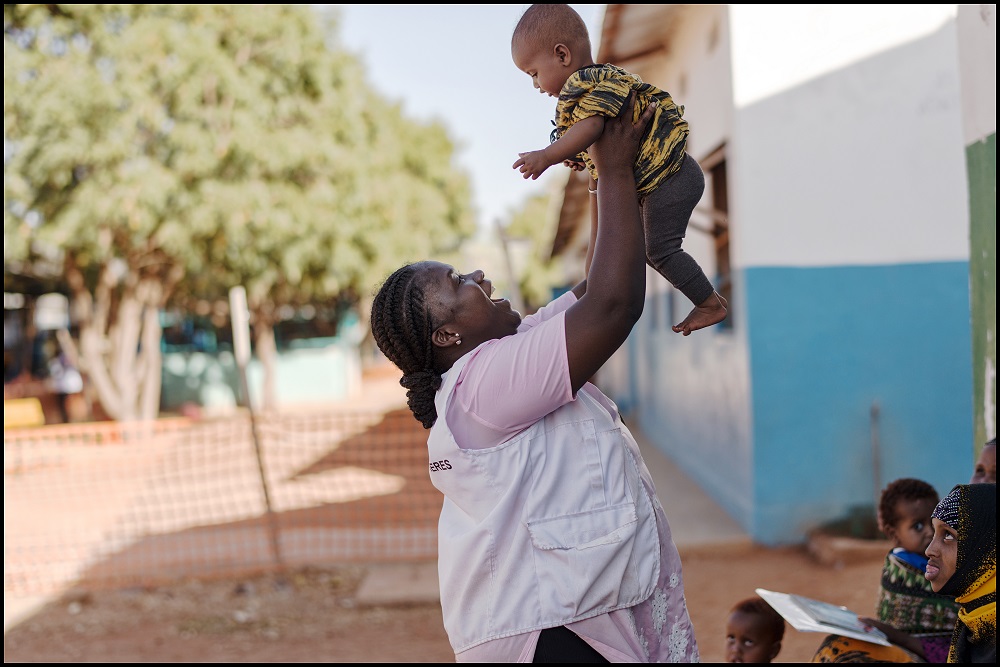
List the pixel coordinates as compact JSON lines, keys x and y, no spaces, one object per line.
{"x":402,"y":330}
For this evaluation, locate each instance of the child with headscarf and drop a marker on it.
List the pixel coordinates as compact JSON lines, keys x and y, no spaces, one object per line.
{"x":962,"y":563}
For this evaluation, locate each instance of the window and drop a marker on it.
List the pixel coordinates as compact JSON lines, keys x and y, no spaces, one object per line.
{"x":717,"y":187}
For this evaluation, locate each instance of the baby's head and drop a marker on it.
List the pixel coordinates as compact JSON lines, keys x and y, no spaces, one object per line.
{"x":986,"y":465}
{"x":549,"y":43}
{"x":754,"y":631}
{"x":904,"y":513}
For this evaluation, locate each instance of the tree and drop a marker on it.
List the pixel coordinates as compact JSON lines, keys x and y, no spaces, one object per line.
{"x":177,"y":150}
{"x":535,"y":221}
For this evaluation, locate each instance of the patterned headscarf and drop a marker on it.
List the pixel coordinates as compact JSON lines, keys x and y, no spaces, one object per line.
{"x":971,"y":511}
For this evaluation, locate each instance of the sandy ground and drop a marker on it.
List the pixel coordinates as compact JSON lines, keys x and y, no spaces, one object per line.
{"x":313,"y":615}
{"x":317,"y":615}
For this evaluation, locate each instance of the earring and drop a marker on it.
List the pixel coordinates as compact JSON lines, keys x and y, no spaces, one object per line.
{"x":458,"y":342}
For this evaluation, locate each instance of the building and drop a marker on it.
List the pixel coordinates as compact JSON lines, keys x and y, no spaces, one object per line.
{"x":977,"y":50}
{"x":836,"y":222}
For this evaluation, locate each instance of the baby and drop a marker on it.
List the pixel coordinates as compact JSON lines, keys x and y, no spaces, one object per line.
{"x":754,"y":631}
{"x":551,"y":45}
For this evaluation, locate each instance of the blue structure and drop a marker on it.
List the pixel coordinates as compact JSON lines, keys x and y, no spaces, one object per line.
{"x":809,"y":414}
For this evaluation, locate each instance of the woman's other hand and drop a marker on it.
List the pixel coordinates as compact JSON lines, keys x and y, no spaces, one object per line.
{"x":618,"y":145}
{"x":897,"y":637}
{"x":598,"y":324}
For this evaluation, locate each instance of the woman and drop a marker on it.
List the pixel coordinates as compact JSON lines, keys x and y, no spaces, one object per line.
{"x":552,"y":545}
{"x":962,"y":563}
{"x":918,"y":621}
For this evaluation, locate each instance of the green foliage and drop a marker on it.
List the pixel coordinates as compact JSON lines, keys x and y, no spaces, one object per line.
{"x":228,"y":140}
{"x":535,"y":223}
{"x":165,"y":153}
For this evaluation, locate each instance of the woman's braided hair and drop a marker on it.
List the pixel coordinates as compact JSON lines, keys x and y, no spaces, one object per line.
{"x":402,"y":328}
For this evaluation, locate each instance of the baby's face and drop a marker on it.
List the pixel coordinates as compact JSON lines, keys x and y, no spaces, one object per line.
{"x":913,"y":530}
{"x":546,"y":66}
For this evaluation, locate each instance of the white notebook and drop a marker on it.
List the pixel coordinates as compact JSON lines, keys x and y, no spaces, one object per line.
{"x":808,"y":615}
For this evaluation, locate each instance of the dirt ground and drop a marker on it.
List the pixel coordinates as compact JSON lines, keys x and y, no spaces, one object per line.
{"x":314,"y":615}
{"x":311,"y":616}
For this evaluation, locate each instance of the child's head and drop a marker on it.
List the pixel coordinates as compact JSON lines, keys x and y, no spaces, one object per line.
{"x":904,"y":513}
{"x":549,"y":43}
{"x":986,"y":465}
{"x":754,"y":631}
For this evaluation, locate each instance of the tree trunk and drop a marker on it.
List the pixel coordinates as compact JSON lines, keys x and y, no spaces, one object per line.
{"x":267,"y":353}
{"x":120,"y":341}
{"x":27,"y":347}
{"x":150,"y":356}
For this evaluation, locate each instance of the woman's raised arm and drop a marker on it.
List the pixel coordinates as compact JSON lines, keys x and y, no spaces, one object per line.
{"x":598,"y":324}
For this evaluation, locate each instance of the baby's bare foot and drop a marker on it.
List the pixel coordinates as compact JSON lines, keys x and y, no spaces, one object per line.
{"x":710,"y":311}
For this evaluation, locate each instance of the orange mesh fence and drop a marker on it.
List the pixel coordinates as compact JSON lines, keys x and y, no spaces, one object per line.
{"x":116,"y":505}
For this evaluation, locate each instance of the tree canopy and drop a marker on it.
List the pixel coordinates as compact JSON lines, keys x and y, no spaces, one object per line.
{"x":167,"y":151}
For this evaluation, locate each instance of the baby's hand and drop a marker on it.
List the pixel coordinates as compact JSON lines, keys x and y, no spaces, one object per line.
{"x":532,"y":164}
{"x":575,"y":165}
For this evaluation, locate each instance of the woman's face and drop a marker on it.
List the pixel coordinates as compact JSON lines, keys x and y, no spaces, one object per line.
{"x":986,"y":466}
{"x":462,"y":304}
{"x":942,"y":555}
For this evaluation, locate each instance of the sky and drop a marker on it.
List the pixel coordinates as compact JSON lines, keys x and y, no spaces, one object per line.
{"x":452,"y":63}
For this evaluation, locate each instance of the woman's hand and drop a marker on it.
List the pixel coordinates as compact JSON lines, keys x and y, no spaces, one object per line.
{"x":897,"y":637}
{"x":618,"y":145}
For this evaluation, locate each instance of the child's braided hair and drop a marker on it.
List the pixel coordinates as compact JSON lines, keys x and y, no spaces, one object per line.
{"x":402,"y":328}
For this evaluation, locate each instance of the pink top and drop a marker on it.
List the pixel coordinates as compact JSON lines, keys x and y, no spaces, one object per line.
{"x":506,"y":386}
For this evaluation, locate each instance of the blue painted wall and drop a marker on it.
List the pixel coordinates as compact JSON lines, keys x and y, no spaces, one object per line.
{"x":324,"y":369}
{"x":690,"y":397}
{"x":317,"y":370}
{"x":825,"y":344}
{"x":773,"y":418}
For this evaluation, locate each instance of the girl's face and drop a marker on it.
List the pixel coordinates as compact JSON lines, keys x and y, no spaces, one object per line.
{"x":548,"y":67}
{"x":942,"y":555}
{"x":913,"y":530}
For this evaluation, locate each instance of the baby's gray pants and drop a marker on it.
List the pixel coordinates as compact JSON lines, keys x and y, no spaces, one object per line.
{"x":665,"y":215}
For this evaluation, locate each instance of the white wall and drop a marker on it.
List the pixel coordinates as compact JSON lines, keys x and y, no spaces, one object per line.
{"x":977,"y":30}
{"x":778,"y":47}
{"x":690,"y":395}
{"x":697,"y":75}
{"x":847,"y":135}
